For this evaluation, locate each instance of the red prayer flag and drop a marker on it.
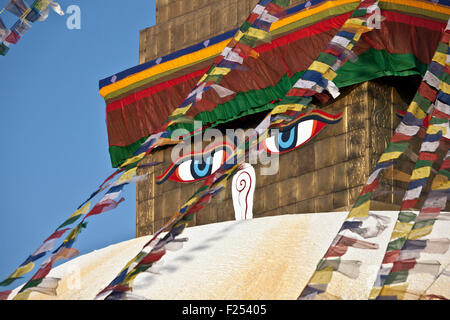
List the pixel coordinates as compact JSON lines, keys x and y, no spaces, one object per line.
{"x":391,"y":256}
{"x":370,"y":187}
{"x":426,"y":91}
{"x":152,"y":257}
{"x":398,"y":137}
{"x":13,"y":37}
{"x":403,"y":265}
{"x":57,"y":234}
{"x":428,"y":156}
{"x":336,"y":251}
{"x":252,"y":18}
{"x":4,"y":294}
{"x":43,"y":271}
{"x":408,"y":204}
{"x":104,"y":206}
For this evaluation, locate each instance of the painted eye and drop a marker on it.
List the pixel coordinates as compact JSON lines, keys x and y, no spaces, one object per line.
{"x":300,"y":132}
{"x":193,"y":167}
{"x":196,"y":169}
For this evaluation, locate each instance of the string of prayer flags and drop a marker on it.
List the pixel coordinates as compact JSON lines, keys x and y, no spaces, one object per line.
{"x":47,"y":246}
{"x":408,"y":225}
{"x":102,"y":187}
{"x":65,"y":251}
{"x":38,"y":11}
{"x":321,"y":73}
{"x":48,"y":243}
{"x":108,"y":202}
{"x":39,"y":282}
{"x":401,"y":258}
{"x":152,"y":142}
{"x":409,"y":127}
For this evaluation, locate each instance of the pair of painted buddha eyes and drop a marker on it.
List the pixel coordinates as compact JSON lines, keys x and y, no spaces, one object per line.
{"x":194,"y":167}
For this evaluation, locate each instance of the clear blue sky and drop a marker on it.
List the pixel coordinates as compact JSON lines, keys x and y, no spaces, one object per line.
{"x":54,"y":147}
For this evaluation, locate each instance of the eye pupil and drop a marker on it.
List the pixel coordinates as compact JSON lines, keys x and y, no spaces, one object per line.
{"x":286,"y":139}
{"x":201,"y":169}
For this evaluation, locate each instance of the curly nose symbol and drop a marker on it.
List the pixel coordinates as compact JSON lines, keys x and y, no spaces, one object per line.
{"x":243,"y":189}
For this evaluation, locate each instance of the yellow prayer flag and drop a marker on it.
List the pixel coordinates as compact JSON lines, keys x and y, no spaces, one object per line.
{"x":219,"y":71}
{"x":394,"y":290}
{"x":401,"y":229}
{"x":319,"y":67}
{"x":322,"y":276}
{"x":83,"y":210}
{"x":22,"y":296}
{"x":445,"y":87}
{"x":191,"y":201}
{"x":127,"y":175}
{"x":41,"y":5}
{"x":440,"y":58}
{"x":354,"y":21}
{"x":374,"y":293}
{"x":416,"y":111}
{"x":395,"y":174}
{"x":22,"y":270}
{"x":361,"y":211}
{"x":421,"y":173}
{"x":417,"y":234}
{"x":440,"y":182}
{"x":183,"y":110}
{"x":202,"y":79}
{"x":330,"y":74}
{"x":390,"y":156}
{"x":282,"y":108}
{"x":129,"y":279}
{"x":133,"y":159}
{"x":359,"y":34}
{"x":238,"y":35}
{"x":434,"y":129}
{"x":166,"y":141}
{"x":257,"y":33}
{"x":356,"y":26}
{"x":442,"y":186}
